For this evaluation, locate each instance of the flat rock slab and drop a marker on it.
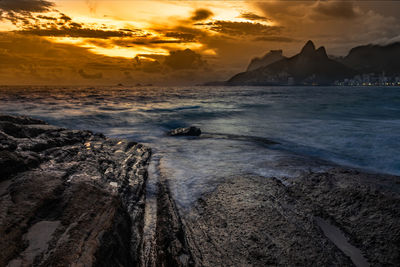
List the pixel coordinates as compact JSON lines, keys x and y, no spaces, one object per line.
{"x":68,"y":197}
{"x":258,"y":221}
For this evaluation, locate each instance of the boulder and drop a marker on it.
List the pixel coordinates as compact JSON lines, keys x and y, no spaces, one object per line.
{"x":187,"y":131}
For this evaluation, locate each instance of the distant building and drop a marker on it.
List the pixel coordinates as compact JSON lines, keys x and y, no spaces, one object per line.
{"x":370,"y":79}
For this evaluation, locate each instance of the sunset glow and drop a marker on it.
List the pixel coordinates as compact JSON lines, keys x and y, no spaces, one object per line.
{"x":225,"y":34}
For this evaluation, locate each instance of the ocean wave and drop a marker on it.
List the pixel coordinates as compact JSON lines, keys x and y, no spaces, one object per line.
{"x":357,"y":126}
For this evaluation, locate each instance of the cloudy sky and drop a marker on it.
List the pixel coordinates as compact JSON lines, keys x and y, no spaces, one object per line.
{"x":174,"y":42}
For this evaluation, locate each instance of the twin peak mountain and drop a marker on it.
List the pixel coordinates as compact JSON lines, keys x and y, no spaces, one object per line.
{"x":314,"y":67}
{"x":310,"y":66}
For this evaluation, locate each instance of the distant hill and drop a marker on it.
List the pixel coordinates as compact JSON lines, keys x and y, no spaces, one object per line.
{"x":267,"y":59}
{"x":374,"y":59}
{"x":310,"y":66}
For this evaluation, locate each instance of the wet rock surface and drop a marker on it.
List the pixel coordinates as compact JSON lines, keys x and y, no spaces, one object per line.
{"x":68,"y":197}
{"x":365,"y":207}
{"x":188,"y":131}
{"x":258,"y":221}
{"x":172,"y":248}
{"x":252,"y":221}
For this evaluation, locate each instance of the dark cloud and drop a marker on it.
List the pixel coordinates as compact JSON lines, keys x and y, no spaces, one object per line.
{"x":64,"y":26}
{"x":188,"y":37}
{"x":184,"y":59}
{"x":46,"y":17}
{"x":159,"y":41}
{"x":20,"y":11}
{"x":146,"y":40}
{"x":201,"y":14}
{"x":25,"y":6}
{"x":144,"y":64}
{"x":336,"y":9}
{"x":241,"y":28}
{"x":75,"y":31}
{"x":181,"y":34}
{"x":149,"y":40}
{"x":65,"y":17}
{"x":280,"y":39}
{"x":284,"y":11}
{"x":314,"y":10}
{"x":128,"y":30}
{"x":196,"y":33}
{"x":252,"y":16}
{"x":176,"y":60}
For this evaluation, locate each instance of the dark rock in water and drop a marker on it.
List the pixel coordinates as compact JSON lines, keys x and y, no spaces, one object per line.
{"x":188,"y":131}
{"x":69,"y":197}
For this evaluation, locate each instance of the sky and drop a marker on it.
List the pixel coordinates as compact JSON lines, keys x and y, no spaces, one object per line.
{"x":102,"y":42}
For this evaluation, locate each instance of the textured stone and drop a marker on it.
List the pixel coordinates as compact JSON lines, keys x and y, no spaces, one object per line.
{"x":258,"y":221}
{"x":67,"y":197}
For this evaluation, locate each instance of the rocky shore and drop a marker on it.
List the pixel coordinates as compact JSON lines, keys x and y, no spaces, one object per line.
{"x":75,"y":198}
{"x":337,"y":218}
{"x":69,"y":198}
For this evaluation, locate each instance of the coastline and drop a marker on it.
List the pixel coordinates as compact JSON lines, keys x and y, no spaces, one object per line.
{"x":247,"y":220}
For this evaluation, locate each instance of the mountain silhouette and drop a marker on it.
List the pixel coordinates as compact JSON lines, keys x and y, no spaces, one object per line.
{"x":374,"y":59}
{"x":267,"y":59}
{"x":310,"y":66}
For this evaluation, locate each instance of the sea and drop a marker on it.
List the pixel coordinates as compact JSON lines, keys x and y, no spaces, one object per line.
{"x":279,"y":132}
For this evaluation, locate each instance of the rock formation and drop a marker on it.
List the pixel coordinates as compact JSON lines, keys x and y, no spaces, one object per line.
{"x":68,"y":197}
{"x":187,"y":131}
